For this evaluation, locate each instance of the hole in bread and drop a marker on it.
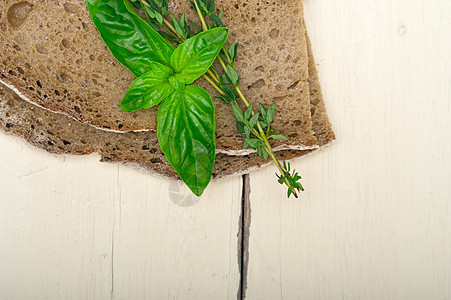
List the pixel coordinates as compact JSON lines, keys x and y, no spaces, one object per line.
{"x":77,"y":109}
{"x":156,"y":161}
{"x":66,"y":143}
{"x":70,"y":8}
{"x":41,"y":49}
{"x":312,"y":110}
{"x":274,"y":33}
{"x":257,"y":84}
{"x":65,"y":43}
{"x":64,"y":78}
{"x":293,"y":85}
{"x":18,"y":13}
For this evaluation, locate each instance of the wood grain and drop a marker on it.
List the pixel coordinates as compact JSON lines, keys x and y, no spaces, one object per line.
{"x":375,"y":220}
{"x":73,"y":228}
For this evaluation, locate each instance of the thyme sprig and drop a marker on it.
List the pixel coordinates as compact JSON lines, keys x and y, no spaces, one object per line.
{"x":256,"y":127}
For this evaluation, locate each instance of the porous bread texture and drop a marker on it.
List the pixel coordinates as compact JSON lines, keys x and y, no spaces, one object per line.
{"x":59,"y":134}
{"x":52,"y":53}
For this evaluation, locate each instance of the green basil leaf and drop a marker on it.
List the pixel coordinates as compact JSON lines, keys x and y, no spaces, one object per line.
{"x":177,"y":83}
{"x":186,"y":133}
{"x":146,"y":91}
{"x":195,"y":56}
{"x":130,"y":39}
{"x":160,"y":70}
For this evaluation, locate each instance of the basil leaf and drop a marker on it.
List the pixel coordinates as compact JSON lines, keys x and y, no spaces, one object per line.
{"x":131,"y":40}
{"x":193,"y":58}
{"x":186,"y":133}
{"x":177,"y":83}
{"x":146,"y":91}
{"x":159,"y":70}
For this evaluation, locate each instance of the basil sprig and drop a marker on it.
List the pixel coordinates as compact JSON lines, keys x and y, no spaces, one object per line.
{"x":186,"y":118}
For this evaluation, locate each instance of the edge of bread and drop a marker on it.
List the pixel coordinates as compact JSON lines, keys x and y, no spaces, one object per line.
{"x":228,"y":152}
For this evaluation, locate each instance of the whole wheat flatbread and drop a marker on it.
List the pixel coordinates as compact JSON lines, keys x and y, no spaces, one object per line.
{"x":52,"y":55}
{"x":59,"y":134}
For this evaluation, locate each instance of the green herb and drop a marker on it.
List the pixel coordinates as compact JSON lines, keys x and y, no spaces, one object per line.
{"x":186,"y":118}
{"x":186,"y":122}
{"x":255,"y":126}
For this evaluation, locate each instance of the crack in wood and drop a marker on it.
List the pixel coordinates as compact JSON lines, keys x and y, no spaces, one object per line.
{"x":243,"y":237}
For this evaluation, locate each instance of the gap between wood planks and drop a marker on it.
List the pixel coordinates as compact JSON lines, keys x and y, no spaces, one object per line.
{"x":243,"y":236}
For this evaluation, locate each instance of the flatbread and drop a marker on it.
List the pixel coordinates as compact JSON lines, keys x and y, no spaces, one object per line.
{"x":53,"y":56}
{"x":57,"y":133}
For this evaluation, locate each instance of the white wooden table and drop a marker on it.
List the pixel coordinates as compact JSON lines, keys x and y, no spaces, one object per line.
{"x":374,"y":222}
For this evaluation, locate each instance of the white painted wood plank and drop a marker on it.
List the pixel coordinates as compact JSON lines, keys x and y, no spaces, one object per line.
{"x":73,"y":228}
{"x":55,"y":224}
{"x":168,"y":251}
{"x":375,"y":220}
